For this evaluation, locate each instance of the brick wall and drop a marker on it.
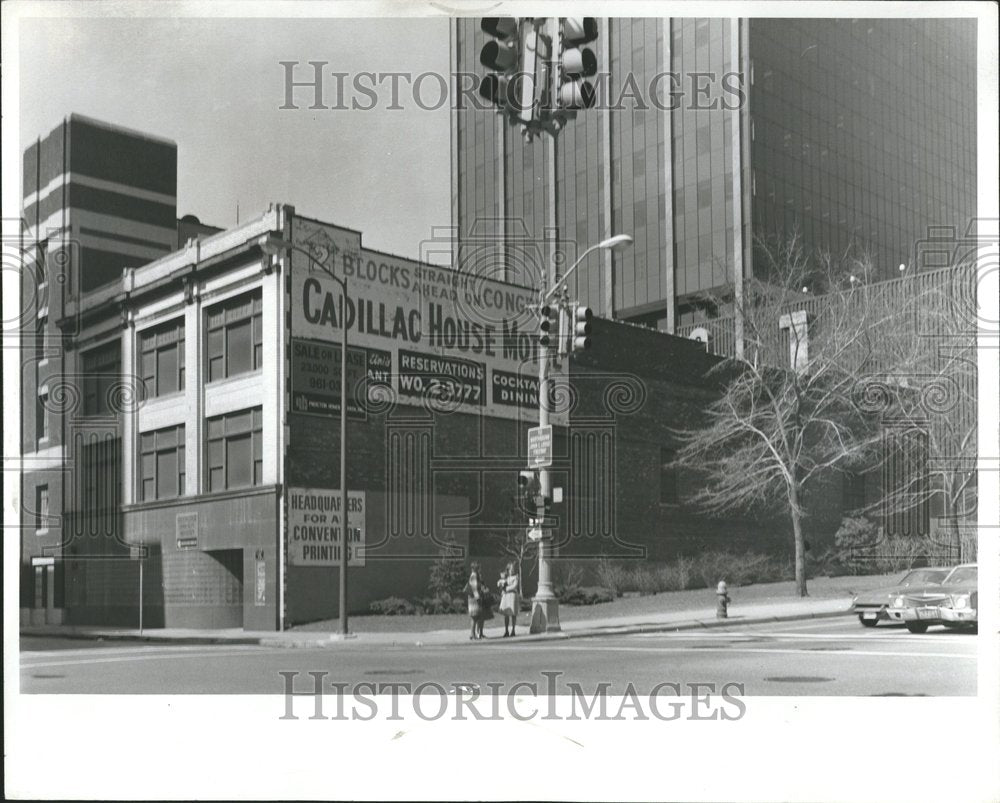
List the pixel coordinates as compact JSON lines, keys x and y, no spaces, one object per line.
{"x":629,"y":393}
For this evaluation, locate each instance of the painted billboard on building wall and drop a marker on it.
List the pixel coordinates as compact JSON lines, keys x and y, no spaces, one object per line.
{"x":417,"y":334}
{"x":315,"y":527}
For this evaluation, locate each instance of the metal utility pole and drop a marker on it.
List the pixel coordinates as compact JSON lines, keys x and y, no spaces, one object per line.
{"x":539,"y":67}
{"x":344,"y":529}
{"x":275,"y":246}
{"x":545,"y":606}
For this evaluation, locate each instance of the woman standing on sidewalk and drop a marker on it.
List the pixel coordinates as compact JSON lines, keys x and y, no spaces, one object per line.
{"x":474,"y":594}
{"x":510,"y":602}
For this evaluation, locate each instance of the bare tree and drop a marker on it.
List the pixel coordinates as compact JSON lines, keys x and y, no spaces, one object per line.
{"x":795,"y":403}
{"x":511,"y":537}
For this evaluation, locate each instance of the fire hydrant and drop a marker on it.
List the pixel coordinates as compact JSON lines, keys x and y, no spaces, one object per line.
{"x":722,"y":601}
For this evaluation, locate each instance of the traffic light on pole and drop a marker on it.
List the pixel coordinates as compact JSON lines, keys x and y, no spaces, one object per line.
{"x":564,"y":332}
{"x":576,"y":64}
{"x":547,"y":326}
{"x":581,"y":316}
{"x":501,"y":55}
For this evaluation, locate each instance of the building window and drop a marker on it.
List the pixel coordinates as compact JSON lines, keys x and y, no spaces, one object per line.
{"x":704,"y":194}
{"x":234,"y":337}
{"x":162,"y":354}
{"x":161,"y":464}
{"x":101,"y":370}
{"x":39,"y":341}
{"x":43,"y":258}
{"x":41,"y":416}
{"x":668,"y":478}
{"x":41,"y":508}
{"x":235,"y":456}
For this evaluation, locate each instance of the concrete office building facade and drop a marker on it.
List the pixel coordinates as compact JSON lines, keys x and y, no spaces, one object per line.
{"x":851,"y":132}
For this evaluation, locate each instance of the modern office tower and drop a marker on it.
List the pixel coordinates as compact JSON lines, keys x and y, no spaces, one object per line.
{"x":712,"y":134}
{"x":97,"y":199}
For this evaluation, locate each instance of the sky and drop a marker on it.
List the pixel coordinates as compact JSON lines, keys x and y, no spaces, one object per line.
{"x":215,"y":86}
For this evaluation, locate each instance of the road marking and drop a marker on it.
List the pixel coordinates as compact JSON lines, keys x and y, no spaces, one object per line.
{"x":126,"y":658}
{"x":127,"y":650}
{"x":736,"y":648}
{"x":908,"y":638}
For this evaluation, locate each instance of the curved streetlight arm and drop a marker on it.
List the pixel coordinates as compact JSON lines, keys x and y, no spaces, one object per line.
{"x":616,"y":243}
{"x":274,"y":246}
{"x":567,"y":274}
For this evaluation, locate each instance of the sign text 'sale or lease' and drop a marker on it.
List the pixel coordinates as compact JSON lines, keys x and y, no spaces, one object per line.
{"x":315,"y":525}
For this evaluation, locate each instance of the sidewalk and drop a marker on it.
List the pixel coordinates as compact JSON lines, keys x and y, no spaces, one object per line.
{"x":648,"y":623}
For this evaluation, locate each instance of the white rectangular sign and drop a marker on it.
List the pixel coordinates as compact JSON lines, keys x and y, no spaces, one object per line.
{"x":453,"y":338}
{"x":540,"y":447}
{"x":315,"y":525}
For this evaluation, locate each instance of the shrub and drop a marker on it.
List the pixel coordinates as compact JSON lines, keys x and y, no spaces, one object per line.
{"x":899,"y":553}
{"x":612,"y":576}
{"x":441,"y":604}
{"x":588,"y":595}
{"x":392,"y":606}
{"x":569,"y":579}
{"x":448,"y":575}
{"x":828,"y":563}
{"x":682,"y":567}
{"x":711,"y":567}
{"x":644,"y":579}
{"x":856,"y":541}
{"x":740,"y":569}
{"x":670,"y":577}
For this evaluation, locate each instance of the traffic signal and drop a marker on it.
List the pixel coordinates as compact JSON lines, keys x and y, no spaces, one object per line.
{"x":576,"y":64}
{"x":564,"y":332}
{"x":547,"y":325}
{"x":581,"y":316}
{"x":501,"y":55}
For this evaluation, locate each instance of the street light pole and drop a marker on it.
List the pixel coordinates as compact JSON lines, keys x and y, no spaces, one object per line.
{"x":274,"y":246}
{"x":545,"y":606}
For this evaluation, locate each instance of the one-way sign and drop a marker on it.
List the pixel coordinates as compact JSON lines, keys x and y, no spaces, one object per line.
{"x":540,"y":447}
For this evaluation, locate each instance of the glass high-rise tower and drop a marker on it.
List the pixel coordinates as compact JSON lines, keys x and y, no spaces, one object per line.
{"x":710,"y":134}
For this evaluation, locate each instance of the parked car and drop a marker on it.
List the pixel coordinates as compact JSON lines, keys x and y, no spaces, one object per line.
{"x":953,"y":603}
{"x":872,"y":606}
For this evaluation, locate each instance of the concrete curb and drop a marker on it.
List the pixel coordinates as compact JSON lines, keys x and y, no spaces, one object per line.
{"x":421,"y":639}
{"x":670,"y":627}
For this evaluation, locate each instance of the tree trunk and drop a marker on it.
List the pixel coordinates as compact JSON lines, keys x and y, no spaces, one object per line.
{"x":953,"y":495}
{"x":800,"y":547}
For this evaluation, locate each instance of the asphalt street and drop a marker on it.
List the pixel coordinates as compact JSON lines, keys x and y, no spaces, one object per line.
{"x":814,"y":657}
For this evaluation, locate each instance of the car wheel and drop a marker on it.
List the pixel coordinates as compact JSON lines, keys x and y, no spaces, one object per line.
{"x":867,"y":622}
{"x":916,"y":627}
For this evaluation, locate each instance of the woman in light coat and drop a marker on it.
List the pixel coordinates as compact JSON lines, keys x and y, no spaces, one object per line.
{"x":474,"y":595}
{"x":510,"y":602}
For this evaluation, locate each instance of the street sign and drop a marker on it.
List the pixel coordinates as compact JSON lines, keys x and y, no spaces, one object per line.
{"x":535,"y":533}
{"x":540,"y":447}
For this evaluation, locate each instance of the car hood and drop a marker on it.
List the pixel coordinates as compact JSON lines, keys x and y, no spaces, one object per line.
{"x":880,"y":595}
{"x":950,"y":588}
